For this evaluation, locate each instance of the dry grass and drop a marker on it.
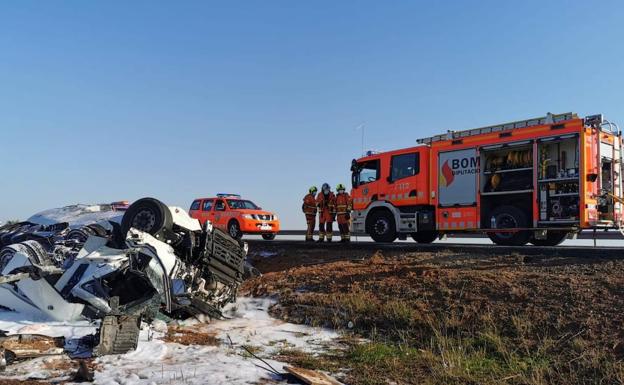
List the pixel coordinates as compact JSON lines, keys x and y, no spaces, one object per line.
{"x":461,"y":321}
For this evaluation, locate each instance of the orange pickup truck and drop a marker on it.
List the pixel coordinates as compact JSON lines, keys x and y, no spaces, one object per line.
{"x":237,"y":216}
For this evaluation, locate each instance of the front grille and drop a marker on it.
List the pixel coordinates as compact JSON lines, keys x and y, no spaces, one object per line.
{"x":265,"y":217}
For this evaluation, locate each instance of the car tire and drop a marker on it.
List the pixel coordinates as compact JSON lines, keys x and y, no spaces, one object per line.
{"x":553,"y":238}
{"x":425,"y":236}
{"x":381,"y":227}
{"x":510,"y":217}
{"x":234,"y":230}
{"x":149,"y":215}
{"x":268,"y":237}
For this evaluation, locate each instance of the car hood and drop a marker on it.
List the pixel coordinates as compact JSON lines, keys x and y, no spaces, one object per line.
{"x":257,"y":212}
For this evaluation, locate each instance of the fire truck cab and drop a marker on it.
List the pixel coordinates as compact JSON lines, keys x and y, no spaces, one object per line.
{"x":535,"y":180}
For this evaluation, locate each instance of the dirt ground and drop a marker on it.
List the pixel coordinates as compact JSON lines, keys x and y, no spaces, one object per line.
{"x":452,"y":317}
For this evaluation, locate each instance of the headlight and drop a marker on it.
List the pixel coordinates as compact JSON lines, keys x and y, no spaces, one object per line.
{"x":274,"y":217}
{"x":248,"y":216}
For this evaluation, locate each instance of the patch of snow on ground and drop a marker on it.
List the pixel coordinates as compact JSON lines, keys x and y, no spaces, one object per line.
{"x":159,"y":362}
{"x":78,"y":215}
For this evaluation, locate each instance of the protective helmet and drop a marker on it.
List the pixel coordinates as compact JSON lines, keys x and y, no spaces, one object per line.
{"x":340,"y":187}
{"x":326,"y":188}
{"x":313,"y":190}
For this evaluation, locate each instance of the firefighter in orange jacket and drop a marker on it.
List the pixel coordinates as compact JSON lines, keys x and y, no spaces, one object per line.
{"x":309,"y":209}
{"x":326,"y":203}
{"x":344,"y":205}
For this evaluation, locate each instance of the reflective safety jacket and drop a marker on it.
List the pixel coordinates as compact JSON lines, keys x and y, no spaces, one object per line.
{"x":344,"y":203}
{"x":326,"y":206}
{"x":309,"y":205}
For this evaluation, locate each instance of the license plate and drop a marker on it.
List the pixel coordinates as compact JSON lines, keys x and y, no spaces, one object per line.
{"x":265,"y":227}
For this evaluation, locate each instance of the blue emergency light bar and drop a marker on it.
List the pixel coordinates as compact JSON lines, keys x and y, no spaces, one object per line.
{"x":225,"y":195}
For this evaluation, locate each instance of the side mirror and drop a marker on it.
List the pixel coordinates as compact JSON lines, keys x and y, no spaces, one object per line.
{"x":592,"y":177}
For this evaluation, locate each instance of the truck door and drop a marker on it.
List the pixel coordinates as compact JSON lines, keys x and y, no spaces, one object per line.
{"x":219,"y":219}
{"x":458,"y":173}
{"x":206,"y":211}
{"x":366,"y":178}
{"x":406,"y":186}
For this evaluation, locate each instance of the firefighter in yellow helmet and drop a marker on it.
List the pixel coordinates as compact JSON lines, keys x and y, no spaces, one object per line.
{"x":309,"y":209}
{"x":344,"y":205}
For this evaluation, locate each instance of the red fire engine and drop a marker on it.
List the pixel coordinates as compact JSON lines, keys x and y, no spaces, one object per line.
{"x":535,"y":180}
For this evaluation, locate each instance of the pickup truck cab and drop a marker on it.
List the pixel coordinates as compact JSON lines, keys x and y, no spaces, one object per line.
{"x":236,"y":216}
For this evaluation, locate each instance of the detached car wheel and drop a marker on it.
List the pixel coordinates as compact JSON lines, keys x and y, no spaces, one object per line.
{"x":149,"y":215}
{"x":268,"y":237}
{"x":381,"y":227}
{"x":508,"y":217}
{"x":234,"y":230}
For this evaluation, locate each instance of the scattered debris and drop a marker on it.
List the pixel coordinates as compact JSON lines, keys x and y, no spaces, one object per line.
{"x":311,"y":377}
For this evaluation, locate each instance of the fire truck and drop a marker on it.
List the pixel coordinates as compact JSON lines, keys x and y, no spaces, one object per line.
{"x":533,"y":181}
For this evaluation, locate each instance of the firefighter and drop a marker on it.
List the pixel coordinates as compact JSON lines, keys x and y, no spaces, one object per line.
{"x":326,"y":203}
{"x":309,"y":209}
{"x":344,"y":205}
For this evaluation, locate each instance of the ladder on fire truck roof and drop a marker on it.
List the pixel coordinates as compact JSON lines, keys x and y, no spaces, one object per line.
{"x":452,"y":135}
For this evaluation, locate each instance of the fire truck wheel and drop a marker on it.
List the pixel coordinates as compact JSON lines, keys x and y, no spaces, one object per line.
{"x":509,"y":217}
{"x":234,"y":229}
{"x":425,"y":236}
{"x":268,"y":237}
{"x":147,"y":214}
{"x":553,"y":238}
{"x":381,"y":227}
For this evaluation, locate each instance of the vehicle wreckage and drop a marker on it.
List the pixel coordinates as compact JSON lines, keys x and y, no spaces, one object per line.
{"x":157,"y":259}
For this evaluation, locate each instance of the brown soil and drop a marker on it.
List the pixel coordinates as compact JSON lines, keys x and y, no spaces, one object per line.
{"x":568,"y":308}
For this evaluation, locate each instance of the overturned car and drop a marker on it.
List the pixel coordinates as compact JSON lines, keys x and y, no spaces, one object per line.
{"x":157,"y":259}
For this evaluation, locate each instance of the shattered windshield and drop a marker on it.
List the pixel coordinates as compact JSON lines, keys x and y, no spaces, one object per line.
{"x":237,"y":204}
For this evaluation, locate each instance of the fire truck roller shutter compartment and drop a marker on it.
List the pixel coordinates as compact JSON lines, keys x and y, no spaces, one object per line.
{"x":458,"y":171}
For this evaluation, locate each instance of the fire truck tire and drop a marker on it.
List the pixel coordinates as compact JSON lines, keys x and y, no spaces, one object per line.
{"x":268,"y":237}
{"x":381,"y":227}
{"x":425,"y":236}
{"x":147,"y":214}
{"x":510,"y":217}
{"x":553,"y":238}
{"x":234,"y":230}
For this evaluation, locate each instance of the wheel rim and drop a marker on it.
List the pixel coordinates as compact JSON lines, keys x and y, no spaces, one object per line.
{"x":233,"y":230}
{"x":381,"y":226}
{"x":505,"y":221}
{"x":145,"y":220}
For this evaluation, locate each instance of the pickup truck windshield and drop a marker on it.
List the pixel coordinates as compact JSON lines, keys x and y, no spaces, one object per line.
{"x":237,"y":204}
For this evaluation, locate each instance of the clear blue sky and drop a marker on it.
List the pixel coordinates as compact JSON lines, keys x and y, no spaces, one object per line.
{"x":108,"y":100}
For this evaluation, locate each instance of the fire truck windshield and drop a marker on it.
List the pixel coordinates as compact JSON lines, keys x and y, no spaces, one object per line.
{"x":365,"y":172}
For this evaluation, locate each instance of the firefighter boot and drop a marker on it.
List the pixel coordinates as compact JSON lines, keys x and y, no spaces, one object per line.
{"x":321,"y":237}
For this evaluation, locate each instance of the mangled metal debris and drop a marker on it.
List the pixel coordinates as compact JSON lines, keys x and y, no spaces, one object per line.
{"x":23,"y":346}
{"x":157,"y":259}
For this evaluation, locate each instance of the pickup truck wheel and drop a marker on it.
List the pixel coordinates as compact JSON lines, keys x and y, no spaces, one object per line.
{"x":381,"y":227}
{"x":268,"y":237}
{"x":508,"y":217}
{"x":553,"y":238}
{"x":234,"y":230}
{"x":425,"y":236}
{"x":149,"y":215}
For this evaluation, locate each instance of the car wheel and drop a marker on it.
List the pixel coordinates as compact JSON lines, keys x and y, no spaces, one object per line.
{"x":268,"y":237}
{"x":381,"y":227}
{"x":553,"y":238}
{"x":508,"y":217}
{"x":149,"y":215}
{"x":425,"y":236}
{"x":234,"y":230}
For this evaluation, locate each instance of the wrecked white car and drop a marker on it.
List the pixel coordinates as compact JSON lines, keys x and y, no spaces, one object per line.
{"x":157,"y":259}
